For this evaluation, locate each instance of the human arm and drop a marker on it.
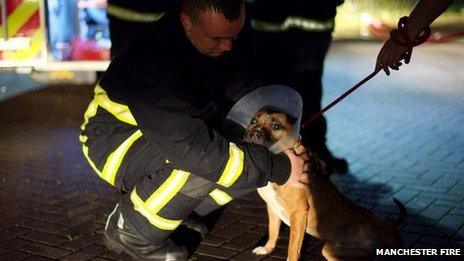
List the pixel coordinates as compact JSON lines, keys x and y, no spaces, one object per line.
{"x":175,"y":127}
{"x":169,"y":120}
{"x":423,"y":14}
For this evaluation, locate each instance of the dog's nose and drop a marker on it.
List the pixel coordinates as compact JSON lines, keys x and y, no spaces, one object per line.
{"x":257,"y":134}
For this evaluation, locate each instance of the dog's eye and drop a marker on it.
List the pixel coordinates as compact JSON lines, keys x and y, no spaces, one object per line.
{"x":253,"y":120}
{"x":277,"y":127}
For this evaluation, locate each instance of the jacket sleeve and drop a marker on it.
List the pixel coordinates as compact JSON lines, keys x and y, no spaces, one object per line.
{"x":173,"y":125}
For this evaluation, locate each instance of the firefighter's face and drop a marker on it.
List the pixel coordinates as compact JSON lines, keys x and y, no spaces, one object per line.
{"x":211,"y":33}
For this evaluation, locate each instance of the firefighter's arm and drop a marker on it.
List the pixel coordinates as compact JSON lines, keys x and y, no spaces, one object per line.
{"x":169,"y":120}
{"x":174,"y":126}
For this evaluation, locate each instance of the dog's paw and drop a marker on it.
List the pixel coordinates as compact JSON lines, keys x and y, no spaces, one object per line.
{"x":262,"y":250}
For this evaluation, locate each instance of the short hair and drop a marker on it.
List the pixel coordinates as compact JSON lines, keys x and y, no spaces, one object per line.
{"x":230,"y":9}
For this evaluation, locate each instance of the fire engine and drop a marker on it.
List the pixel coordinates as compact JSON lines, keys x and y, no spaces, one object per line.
{"x":53,"y":36}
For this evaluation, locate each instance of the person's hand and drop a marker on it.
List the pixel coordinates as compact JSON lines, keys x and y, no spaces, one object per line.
{"x":416,"y":28}
{"x":299,"y":166}
{"x":390,"y":56}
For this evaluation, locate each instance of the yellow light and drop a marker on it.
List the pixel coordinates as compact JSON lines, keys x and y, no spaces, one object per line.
{"x":60,"y":75}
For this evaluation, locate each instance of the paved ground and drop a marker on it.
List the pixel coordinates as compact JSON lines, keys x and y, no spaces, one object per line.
{"x":403,"y":136}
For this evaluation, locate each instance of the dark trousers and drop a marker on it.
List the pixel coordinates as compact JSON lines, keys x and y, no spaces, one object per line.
{"x":154,"y":196}
{"x":296,"y":58}
{"x":193,"y":195}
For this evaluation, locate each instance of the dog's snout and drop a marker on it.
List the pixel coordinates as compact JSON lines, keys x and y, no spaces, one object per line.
{"x":257,"y":134}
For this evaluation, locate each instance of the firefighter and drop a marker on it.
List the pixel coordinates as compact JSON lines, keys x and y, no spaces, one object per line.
{"x":153,"y":129}
{"x":127,"y":19}
{"x":292,"y":39}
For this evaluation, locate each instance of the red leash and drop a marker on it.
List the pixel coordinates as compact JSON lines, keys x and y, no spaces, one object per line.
{"x":326,"y":108}
{"x":398,"y":36}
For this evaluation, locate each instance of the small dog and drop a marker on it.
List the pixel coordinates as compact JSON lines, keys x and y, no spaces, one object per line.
{"x":319,"y":209}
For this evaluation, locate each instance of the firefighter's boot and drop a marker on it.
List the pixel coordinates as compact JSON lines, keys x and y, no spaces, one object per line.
{"x":196,"y":223}
{"x":121,"y":237}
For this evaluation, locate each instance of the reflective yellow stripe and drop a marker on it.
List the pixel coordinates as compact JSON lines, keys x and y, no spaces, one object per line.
{"x":294,"y":22}
{"x":167,"y":190}
{"x":133,"y":16}
{"x":234,"y":166}
{"x":153,"y":218}
{"x":220,"y":197}
{"x":89,"y":113}
{"x":150,"y":208}
{"x":120,"y":111}
{"x":83,"y":138}
{"x":85,"y":150}
{"x":115,"y":158}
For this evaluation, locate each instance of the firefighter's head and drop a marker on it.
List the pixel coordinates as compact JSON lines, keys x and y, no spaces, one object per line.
{"x":212,"y":25}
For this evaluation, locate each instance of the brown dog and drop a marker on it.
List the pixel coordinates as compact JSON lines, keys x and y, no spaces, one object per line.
{"x":349,"y":231}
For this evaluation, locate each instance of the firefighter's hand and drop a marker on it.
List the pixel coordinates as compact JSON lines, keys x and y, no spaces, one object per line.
{"x":299,"y":166}
{"x":390,"y":56}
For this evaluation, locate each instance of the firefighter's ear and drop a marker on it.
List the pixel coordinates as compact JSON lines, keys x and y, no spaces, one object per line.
{"x":186,"y":21}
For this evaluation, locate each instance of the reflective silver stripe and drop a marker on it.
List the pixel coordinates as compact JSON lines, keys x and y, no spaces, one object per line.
{"x":309,"y":24}
{"x":220,"y":197}
{"x":263,"y":26}
{"x":133,"y":16}
{"x":294,"y":22}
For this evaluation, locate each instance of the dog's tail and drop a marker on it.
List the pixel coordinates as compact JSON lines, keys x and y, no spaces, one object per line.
{"x":402,"y":215}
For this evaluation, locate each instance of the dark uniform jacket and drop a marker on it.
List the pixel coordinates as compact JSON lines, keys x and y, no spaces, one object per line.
{"x":168,"y":86}
{"x":278,"y":10}
{"x":143,"y":5}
